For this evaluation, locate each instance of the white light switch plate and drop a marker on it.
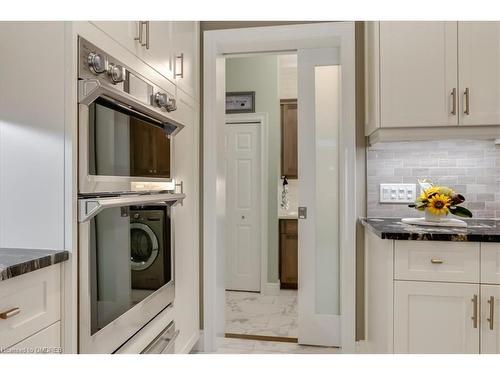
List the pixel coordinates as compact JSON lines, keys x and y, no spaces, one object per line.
{"x":397,"y":193}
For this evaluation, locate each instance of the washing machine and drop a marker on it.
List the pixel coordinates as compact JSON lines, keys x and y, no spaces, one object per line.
{"x":150,"y":250}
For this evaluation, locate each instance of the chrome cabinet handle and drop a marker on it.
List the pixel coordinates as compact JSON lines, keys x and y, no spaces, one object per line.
{"x":181,"y":74}
{"x":454,"y":101}
{"x":474,"y":311}
{"x":491,"y":302}
{"x":467,"y":101}
{"x":10,"y":313}
{"x":141,"y":34}
{"x":147,"y":35}
{"x":436,"y":261}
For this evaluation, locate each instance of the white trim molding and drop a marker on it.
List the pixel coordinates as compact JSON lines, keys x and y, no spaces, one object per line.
{"x":217,"y":45}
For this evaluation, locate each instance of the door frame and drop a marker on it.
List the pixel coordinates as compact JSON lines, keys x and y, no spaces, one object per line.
{"x":217,"y":45}
{"x":262,"y":120}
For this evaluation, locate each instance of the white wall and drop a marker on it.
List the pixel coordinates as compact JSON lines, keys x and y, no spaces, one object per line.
{"x":32,"y":135}
{"x":260,"y":74}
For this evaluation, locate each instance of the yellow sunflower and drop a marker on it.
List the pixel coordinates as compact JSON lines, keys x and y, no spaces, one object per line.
{"x":438,"y":204}
{"x":428,"y":192}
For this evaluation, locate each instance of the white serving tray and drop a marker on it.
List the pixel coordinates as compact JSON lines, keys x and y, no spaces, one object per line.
{"x":443,"y":223}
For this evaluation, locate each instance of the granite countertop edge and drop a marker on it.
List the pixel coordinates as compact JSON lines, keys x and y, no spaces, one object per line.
{"x":17,"y":262}
{"x":478,"y":230}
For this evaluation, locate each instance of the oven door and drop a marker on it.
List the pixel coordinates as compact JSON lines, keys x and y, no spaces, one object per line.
{"x":122,"y":139}
{"x":113,"y":305}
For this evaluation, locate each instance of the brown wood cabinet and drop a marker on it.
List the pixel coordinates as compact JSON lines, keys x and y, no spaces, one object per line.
{"x":288,"y":254}
{"x":289,"y":138}
{"x":149,"y":151}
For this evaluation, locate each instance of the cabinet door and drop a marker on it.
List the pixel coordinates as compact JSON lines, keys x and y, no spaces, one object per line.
{"x":479,"y":72}
{"x":436,"y":317}
{"x":418,"y":73}
{"x":289,"y":146}
{"x":289,"y":261}
{"x":160,"y":53}
{"x":490,"y":263}
{"x":490,"y":319}
{"x":185,"y":38}
{"x":124,"y":32}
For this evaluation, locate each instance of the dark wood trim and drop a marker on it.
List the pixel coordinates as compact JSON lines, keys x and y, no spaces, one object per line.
{"x":293,"y":286}
{"x":285,"y":101}
{"x":260,"y":338}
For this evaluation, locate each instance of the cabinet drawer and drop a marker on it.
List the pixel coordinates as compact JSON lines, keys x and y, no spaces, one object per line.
{"x":289,"y":226}
{"x":37,"y":296}
{"x":490,"y":263}
{"x":436,"y":261}
{"x":47,"y":341}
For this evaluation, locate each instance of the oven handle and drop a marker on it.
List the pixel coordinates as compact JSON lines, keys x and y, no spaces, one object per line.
{"x":90,"y":207}
{"x":91,"y":89}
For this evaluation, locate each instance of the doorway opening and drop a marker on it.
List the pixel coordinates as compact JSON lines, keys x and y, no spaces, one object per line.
{"x":261,"y":197}
{"x":325,"y":168}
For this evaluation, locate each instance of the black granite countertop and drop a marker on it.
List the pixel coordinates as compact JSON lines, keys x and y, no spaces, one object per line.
{"x":15,"y":262}
{"x":478,"y":230}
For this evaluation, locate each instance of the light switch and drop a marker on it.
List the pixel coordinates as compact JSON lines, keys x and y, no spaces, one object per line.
{"x":397,"y":193}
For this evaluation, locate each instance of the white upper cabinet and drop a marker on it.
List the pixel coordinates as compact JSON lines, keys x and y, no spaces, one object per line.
{"x":479,"y":72}
{"x":158,"y":44}
{"x":418,"y":74}
{"x":428,"y":74}
{"x":170,"y":47}
{"x":185,"y":36}
{"x":124,"y":32}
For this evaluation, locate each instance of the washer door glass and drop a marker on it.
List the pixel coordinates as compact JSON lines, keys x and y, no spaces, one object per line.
{"x":143,"y":246}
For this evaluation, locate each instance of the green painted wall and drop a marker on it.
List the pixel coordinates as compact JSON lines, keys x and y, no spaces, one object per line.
{"x":260,"y":74}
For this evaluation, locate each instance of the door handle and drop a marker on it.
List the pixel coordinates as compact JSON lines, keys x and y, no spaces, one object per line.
{"x":10,"y":313}
{"x":436,"y":261}
{"x":181,"y":58}
{"x":474,"y":311}
{"x":467,"y":101}
{"x":454,"y":101}
{"x":147,"y":35}
{"x":302,"y":212}
{"x":491,"y":302}
{"x":139,"y":37}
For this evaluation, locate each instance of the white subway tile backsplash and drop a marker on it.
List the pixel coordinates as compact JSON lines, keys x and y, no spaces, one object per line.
{"x":471,"y":167}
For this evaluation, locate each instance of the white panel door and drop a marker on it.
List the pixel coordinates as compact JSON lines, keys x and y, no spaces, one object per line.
{"x":318,"y":129}
{"x":243,"y":206}
{"x":418,"y":73}
{"x":436,"y":318}
{"x":479,"y":72}
{"x":490,"y":319}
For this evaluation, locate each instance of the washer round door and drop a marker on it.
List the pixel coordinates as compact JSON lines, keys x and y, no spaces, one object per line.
{"x":143,"y":246}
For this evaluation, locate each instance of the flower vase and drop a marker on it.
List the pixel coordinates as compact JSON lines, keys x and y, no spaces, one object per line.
{"x":429,"y":216}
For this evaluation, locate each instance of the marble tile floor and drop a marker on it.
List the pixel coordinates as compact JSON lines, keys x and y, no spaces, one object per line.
{"x":239,"y":346}
{"x":257,"y":314}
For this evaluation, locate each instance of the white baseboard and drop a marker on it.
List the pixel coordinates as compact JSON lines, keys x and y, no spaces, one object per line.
{"x":271,"y":289}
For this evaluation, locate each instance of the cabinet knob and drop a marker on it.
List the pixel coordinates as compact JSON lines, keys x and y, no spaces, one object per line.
{"x":436,"y":261}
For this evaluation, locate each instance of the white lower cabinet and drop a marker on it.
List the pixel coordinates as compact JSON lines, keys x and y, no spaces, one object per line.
{"x":490,"y":319}
{"x":29,"y":303}
{"x":431,"y":296}
{"x":432,"y":317}
{"x":47,"y":341}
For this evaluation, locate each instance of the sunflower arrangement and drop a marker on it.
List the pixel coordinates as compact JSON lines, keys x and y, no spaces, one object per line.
{"x":439,"y":201}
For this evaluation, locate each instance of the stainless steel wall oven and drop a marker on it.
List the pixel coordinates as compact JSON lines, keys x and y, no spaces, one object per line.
{"x":126,"y":242}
